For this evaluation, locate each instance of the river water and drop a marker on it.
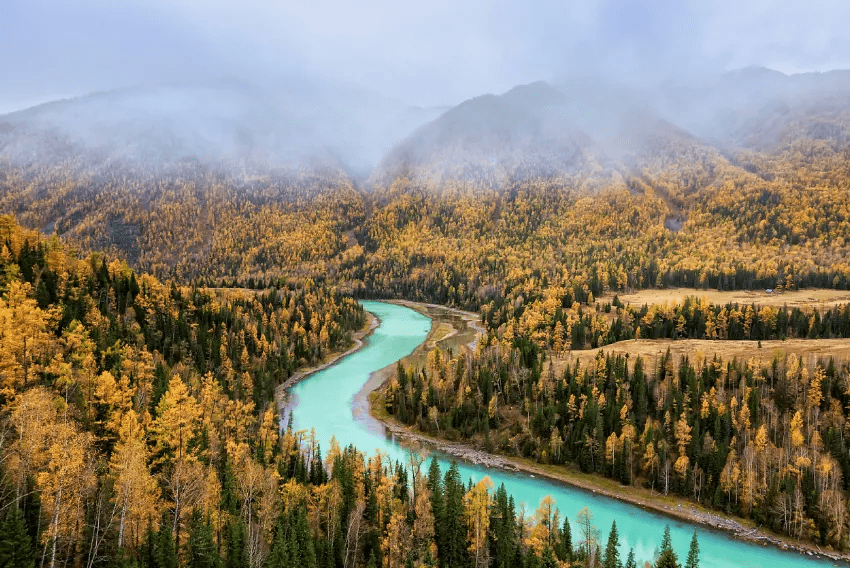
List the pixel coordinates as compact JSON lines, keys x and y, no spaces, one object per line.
{"x":323,"y":401}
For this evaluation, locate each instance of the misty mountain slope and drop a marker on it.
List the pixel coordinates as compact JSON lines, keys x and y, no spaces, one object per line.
{"x":524,"y":132}
{"x":222,"y":124}
{"x":588,"y":129}
{"x":762,"y":109}
{"x":150,"y":126}
{"x":582,"y":130}
{"x":776,"y":127}
{"x":668,"y":193}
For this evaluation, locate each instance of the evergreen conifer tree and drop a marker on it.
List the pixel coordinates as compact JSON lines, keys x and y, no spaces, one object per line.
{"x":667,"y":558}
{"x":304,"y":555}
{"x":567,"y":540}
{"x":693,"y":553}
{"x":229,"y":501}
{"x":548,"y":559}
{"x":201,"y":549}
{"x":279,"y":554}
{"x":612,"y":552}
{"x":236,"y":555}
{"x":147,"y":552}
{"x":455,"y":537}
{"x":502,"y":529}
{"x":16,"y":548}
{"x":435,"y":485}
{"x":165,"y":554}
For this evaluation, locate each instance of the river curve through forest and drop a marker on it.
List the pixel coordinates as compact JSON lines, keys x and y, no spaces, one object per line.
{"x":323,"y":401}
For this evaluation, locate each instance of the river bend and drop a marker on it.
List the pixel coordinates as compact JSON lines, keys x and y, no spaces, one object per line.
{"x":324,"y":400}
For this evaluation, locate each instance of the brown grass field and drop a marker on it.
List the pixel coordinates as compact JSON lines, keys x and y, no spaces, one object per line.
{"x":651,"y":350}
{"x":804,"y":299}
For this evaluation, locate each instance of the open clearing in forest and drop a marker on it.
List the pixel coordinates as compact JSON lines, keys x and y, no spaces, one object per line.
{"x":804,"y":299}
{"x":651,"y":350}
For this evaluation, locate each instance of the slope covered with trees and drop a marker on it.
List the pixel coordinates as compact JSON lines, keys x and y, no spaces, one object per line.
{"x":139,"y":405}
{"x":688,"y":220}
{"x":140,"y":430}
{"x":761,"y":203}
{"x":766,"y":442}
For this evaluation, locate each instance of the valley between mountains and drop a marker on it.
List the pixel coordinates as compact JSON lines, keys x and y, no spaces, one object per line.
{"x":640,"y":290}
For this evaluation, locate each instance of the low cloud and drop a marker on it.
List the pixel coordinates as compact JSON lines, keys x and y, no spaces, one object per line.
{"x":433,"y":53}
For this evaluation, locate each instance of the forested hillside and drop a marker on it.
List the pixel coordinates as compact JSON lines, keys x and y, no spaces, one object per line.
{"x":584,"y":188}
{"x":140,"y":430}
{"x":764,"y":441}
{"x":148,"y":313}
{"x":750,"y":220}
{"x":141,"y":414}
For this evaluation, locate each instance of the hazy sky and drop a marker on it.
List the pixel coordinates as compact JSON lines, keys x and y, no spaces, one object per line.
{"x":430,"y":52}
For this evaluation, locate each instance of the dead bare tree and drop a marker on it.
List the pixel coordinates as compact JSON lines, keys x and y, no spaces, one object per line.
{"x":355,"y":531}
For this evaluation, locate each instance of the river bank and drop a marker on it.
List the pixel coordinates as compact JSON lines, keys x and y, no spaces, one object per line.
{"x":450,"y":329}
{"x":370,"y":400}
{"x":358,"y":338}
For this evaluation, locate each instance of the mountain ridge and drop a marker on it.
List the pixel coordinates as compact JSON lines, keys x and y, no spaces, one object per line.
{"x":579,"y":128}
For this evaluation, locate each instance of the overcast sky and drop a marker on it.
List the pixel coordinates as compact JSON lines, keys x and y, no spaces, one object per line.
{"x":430,"y":52}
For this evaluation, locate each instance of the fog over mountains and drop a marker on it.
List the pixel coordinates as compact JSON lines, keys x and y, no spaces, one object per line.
{"x":577,"y":127}
{"x":222,"y":124}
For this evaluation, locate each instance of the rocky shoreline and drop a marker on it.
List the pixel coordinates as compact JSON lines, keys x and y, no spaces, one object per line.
{"x":684,"y":511}
{"x":363,"y":407}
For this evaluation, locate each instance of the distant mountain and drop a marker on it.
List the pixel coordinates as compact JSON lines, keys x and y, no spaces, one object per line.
{"x":580,"y":128}
{"x":589,"y":127}
{"x":223,"y":124}
{"x":762,"y":109}
{"x":491,"y":134}
{"x":577,"y":129}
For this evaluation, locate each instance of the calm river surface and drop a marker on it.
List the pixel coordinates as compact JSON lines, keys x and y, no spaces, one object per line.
{"x":324,"y":401}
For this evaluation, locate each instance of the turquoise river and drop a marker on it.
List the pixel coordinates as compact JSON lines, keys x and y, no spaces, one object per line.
{"x":324,"y":401}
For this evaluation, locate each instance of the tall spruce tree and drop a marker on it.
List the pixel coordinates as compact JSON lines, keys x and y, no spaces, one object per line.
{"x":279,"y":554}
{"x":236,"y":555}
{"x":16,"y":548}
{"x":435,"y":485}
{"x":147,"y":552}
{"x":304,"y":555}
{"x":667,"y":557}
{"x":693,"y":553}
{"x":455,"y":537}
{"x":200,"y":547}
{"x":630,"y":559}
{"x":566,"y":542}
{"x":612,"y":552}
{"x":165,"y":554}
{"x":547,"y":559}
{"x":502,"y":529}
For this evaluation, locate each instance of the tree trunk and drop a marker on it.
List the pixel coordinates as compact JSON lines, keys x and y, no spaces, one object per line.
{"x":121,"y":524}
{"x":56,"y":528}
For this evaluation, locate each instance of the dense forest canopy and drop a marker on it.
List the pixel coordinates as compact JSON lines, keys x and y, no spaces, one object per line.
{"x":703,"y":220}
{"x":472,"y":208}
{"x":762,"y":441}
{"x":141,"y":431}
{"x":147,"y":315}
